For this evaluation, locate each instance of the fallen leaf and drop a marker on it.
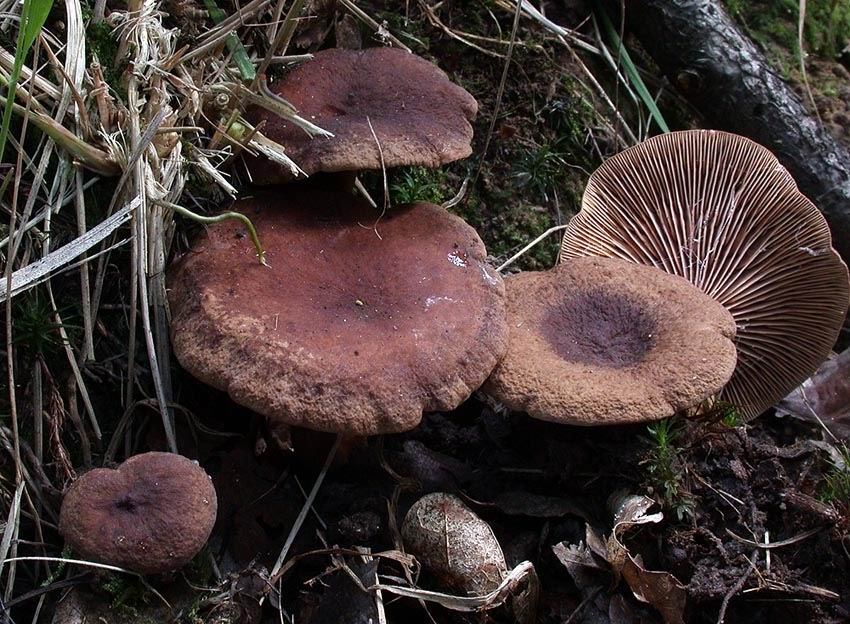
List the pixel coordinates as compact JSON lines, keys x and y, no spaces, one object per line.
{"x":585,"y":560}
{"x":824,"y":395}
{"x":662,"y":590}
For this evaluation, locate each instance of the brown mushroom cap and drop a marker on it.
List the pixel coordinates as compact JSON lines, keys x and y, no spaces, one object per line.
{"x":719,"y":210}
{"x":419,"y":116}
{"x":152,"y":514}
{"x":597,"y":341}
{"x":361,"y":323}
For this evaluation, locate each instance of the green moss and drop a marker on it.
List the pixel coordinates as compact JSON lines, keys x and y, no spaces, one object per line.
{"x":101,"y":41}
{"x":127,"y":594}
{"x":538,"y":157}
{"x":509,"y":226}
{"x":773,"y":23}
{"x":33,"y":327}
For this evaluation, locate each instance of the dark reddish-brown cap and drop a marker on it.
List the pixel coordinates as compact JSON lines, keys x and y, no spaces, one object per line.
{"x":598,"y":341}
{"x":360,"y":323}
{"x":719,"y":210}
{"x":418,"y":115}
{"x":150,"y":515}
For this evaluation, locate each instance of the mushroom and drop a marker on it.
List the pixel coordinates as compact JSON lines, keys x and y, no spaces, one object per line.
{"x":150,"y":515}
{"x":361,"y":323}
{"x":384,"y":106}
{"x":719,"y":210}
{"x":598,"y":341}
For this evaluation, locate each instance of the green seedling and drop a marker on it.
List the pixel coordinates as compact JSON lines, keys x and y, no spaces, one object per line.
{"x":665,"y":467}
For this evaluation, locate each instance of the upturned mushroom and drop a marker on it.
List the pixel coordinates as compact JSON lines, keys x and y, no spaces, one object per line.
{"x":385,"y":108}
{"x":150,"y":515}
{"x":597,"y":341}
{"x":361,"y":323}
{"x":719,"y":210}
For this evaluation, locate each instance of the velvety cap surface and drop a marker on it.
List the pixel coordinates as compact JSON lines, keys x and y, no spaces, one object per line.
{"x":152,"y":514}
{"x":598,"y":341}
{"x":418,"y":115}
{"x":361,"y":322}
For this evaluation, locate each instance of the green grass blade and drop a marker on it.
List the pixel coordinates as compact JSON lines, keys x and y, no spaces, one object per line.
{"x":240,"y":56}
{"x":33,"y":15}
{"x":630,"y":69}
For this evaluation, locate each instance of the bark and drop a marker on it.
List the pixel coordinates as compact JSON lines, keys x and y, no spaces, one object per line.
{"x":730,"y":82}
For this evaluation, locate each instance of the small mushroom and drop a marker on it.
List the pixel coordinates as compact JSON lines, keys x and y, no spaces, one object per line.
{"x":361,"y":322}
{"x":454,"y":544}
{"x":719,"y":210}
{"x":419,"y":117}
{"x":598,"y":341}
{"x":150,"y":515}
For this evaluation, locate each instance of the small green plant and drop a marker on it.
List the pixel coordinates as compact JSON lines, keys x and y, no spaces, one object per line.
{"x":665,"y":467}
{"x":33,"y":327}
{"x":59,"y":570}
{"x":730,"y":415}
{"x":412,"y":184}
{"x":541,"y":169}
{"x":127,"y":594}
{"x":721,"y":412}
{"x":836,"y":488}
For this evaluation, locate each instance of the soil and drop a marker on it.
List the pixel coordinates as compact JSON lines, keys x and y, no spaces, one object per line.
{"x":537,"y":485}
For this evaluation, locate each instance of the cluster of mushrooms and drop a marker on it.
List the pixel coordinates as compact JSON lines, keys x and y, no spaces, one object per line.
{"x":695,"y":271}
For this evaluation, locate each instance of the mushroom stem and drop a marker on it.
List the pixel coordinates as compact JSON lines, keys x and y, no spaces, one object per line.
{"x":252,"y":232}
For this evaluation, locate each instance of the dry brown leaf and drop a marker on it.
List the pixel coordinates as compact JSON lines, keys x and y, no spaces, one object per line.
{"x":660,"y":589}
{"x":825,"y":396}
{"x":657,"y":588}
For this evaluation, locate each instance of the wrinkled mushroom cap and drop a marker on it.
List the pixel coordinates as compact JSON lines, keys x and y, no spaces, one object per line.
{"x":361,"y":323}
{"x":418,"y":115}
{"x":597,"y":341}
{"x":719,"y":210}
{"x":150,"y":515}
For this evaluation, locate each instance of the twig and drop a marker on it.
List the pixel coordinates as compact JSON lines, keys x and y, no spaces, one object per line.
{"x":296,"y":526}
{"x":779,"y":544}
{"x":367,"y":19}
{"x":525,"y":249}
{"x":500,"y":93}
{"x":736,"y":588}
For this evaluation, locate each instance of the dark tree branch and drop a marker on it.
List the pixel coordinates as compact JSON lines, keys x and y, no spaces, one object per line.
{"x":725,"y":76}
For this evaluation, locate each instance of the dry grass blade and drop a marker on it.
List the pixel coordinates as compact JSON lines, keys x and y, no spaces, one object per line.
{"x":529,"y":246}
{"x":11,"y":523}
{"x":40,"y":270}
{"x":296,"y":526}
{"x":380,"y":30}
{"x":801,"y":50}
{"x":491,"y":600}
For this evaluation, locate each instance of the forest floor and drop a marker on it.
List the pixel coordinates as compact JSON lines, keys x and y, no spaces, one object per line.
{"x":756,"y":516}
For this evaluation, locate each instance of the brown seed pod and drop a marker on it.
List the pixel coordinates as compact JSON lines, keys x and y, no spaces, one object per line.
{"x":454,"y":544}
